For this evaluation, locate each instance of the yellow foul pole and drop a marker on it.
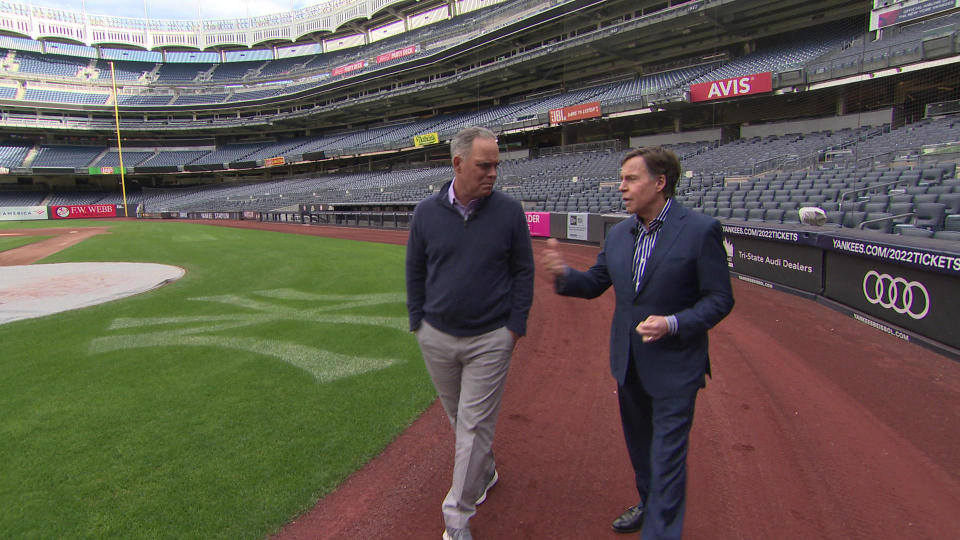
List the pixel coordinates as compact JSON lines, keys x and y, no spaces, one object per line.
{"x":116,"y":116}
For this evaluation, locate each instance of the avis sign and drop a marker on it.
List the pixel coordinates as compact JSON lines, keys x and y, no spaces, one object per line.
{"x":757,"y":83}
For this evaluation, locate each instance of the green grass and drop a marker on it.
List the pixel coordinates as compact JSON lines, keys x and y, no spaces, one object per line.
{"x":219,"y":406}
{"x":11,"y":242}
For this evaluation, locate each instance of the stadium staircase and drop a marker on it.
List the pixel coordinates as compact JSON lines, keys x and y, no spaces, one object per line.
{"x":31,"y":156}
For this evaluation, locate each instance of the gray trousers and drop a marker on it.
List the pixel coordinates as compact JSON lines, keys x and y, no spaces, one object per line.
{"x":469,"y":374}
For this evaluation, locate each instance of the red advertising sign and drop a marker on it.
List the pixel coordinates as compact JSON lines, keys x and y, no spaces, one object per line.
{"x":575,"y":112}
{"x":359,"y":64}
{"x":757,"y":83}
{"x":399,"y":53}
{"x":83,"y":211}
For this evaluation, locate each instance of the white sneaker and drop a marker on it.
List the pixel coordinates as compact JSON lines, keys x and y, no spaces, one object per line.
{"x":457,"y":534}
{"x":490,"y":484}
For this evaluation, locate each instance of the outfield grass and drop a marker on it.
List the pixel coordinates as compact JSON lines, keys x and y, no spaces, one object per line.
{"x":8,"y":242}
{"x":219,"y":406}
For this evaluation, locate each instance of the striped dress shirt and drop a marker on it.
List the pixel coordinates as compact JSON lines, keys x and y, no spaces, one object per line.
{"x":643,"y":247}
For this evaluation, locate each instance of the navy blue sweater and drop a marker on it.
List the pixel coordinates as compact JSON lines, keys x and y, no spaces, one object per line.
{"x":468,"y":277}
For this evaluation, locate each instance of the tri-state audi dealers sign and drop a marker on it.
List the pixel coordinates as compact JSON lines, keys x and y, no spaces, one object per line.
{"x":756,"y":83}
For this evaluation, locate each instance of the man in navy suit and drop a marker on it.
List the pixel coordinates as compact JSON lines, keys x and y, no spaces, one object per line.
{"x":669,"y":271}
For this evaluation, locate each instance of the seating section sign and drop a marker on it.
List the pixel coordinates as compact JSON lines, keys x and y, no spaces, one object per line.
{"x":757,"y":83}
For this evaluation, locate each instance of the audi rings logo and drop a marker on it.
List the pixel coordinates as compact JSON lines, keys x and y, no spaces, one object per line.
{"x":904,"y":297}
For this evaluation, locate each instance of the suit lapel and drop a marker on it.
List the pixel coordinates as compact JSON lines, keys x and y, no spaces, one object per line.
{"x":666,"y":239}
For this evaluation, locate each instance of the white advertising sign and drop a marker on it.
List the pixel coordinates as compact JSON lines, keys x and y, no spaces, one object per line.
{"x":22,"y":213}
{"x":577,"y":226}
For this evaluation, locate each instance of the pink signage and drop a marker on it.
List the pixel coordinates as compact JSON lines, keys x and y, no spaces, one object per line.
{"x":539,"y":223}
{"x":83,"y":211}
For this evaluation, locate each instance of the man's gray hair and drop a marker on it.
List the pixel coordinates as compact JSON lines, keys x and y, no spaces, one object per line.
{"x":462,"y":142}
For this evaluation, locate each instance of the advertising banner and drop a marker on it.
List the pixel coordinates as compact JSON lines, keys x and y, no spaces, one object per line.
{"x":908,"y":11}
{"x":539,"y":223}
{"x":757,"y":83}
{"x":399,"y":53}
{"x":922,"y":302}
{"x":764,"y":233}
{"x":274,"y":161}
{"x":215,"y":215}
{"x":22,"y":213}
{"x":577,"y":226}
{"x":575,"y":112}
{"x":82,"y":211}
{"x":105,"y":170}
{"x":797,"y":266}
{"x":426,"y":138}
{"x":924,"y":259}
{"x":355,"y":66}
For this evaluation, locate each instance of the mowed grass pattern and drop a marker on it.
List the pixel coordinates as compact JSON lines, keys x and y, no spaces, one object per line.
{"x":12,"y":242}
{"x":201,"y":409}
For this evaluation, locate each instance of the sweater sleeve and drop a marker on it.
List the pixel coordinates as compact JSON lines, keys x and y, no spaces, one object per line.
{"x":416,"y":274}
{"x":521,"y":274}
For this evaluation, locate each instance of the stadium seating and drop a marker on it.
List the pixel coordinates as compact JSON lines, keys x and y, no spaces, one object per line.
{"x":66,"y":156}
{"x":13,"y":155}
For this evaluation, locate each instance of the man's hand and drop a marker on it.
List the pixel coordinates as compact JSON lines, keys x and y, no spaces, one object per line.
{"x":653,"y":328}
{"x":551,"y":259}
{"x":516,"y":339}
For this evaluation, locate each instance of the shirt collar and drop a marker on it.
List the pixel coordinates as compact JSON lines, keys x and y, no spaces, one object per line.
{"x":656,"y":222}
{"x":452,"y":198}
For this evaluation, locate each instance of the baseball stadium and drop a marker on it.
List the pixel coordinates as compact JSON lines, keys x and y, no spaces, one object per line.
{"x":203,"y":312}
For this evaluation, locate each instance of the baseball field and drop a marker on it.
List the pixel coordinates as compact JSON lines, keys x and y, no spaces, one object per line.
{"x":273,"y":391}
{"x":217,"y":406}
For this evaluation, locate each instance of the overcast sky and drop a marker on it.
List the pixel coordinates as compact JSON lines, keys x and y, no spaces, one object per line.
{"x":178,"y":9}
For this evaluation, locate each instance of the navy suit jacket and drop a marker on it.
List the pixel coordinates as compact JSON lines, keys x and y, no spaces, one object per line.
{"x":686,"y":275}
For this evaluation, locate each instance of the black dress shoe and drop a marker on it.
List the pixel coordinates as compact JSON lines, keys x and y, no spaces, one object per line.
{"x":630,"y":521}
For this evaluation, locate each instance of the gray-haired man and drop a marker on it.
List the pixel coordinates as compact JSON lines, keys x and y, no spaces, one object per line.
{"x":469,"y":275}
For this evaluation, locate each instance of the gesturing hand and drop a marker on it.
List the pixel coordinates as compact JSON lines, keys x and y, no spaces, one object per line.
{"x":552,"y":260}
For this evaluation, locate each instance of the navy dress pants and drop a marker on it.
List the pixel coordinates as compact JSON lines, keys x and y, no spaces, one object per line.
{"x":657,"y":433}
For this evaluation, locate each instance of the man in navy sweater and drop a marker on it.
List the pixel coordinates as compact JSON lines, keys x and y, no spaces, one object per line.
{"x":469,"y":288}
